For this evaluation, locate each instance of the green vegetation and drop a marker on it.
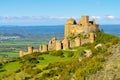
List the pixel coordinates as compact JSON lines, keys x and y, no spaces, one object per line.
{"x":63,"y":64}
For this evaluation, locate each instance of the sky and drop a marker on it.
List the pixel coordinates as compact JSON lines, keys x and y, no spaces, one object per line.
{"x":56,"y":12}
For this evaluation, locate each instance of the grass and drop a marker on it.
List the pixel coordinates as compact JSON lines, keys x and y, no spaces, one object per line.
{"x":13,"y":66}
{"x":10,"y":54}
{"x":50,"y":59}
{"x":10,"y":67}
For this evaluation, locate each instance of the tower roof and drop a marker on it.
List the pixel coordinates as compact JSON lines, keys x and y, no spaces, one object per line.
{"x":71,"y":21}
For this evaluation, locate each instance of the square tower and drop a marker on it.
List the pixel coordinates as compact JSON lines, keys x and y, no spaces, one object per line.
{"x":84,"y":20}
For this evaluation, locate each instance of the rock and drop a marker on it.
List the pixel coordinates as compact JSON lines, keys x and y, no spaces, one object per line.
{"x":98,"y":45}
{"x":88,"y":53}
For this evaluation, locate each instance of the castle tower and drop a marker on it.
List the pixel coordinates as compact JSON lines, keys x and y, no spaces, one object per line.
{"x":21,"y":53}
{"x":58,"y":45}
{"x":44,"y":48}
{"x":92,"y":37}
{"x":84,"y":20}
{"x":30,"y":50}
{"x":65,"y":44}
{"x":77,"y":41}
{"x":69,"y":22}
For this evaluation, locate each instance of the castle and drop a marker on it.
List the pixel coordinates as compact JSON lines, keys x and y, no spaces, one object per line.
{"x":84,"y":26}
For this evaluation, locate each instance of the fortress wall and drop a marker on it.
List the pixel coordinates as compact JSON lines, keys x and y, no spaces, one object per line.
{"x":72,"y":44}
{"x":58,"y":45}
{"x":84,"y":41}
{"x":77,"y":42}
{"x":35,"y":50}
{"x":21,"y":53}
{"x":52,"y":44}
{"x":65,"y":44}
{"x":66,"y":30}
{"x":92,"y":37}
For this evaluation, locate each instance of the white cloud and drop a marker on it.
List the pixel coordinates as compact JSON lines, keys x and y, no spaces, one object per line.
{"x":96,"y":17}
{"x":110,"y":17}
{"x":32,"y":18}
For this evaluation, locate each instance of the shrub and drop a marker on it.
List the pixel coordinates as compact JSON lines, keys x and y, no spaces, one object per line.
{"x":41,"y":58}
{"x":57,"y":53}
{"x":17,"y":71}
{"x":90,"y":66}
{"x":36,"y":71}
{"x":30,"y":59}
{"x":45,"y":52}
{"x":70,"y":54}
{"x":33,"y":60}
{"x":104,"y":38}
{"x":2,"y":70}
{"x":36,"y":54}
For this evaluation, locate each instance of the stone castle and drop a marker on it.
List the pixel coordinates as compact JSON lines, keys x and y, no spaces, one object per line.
{"x":84,"y":26}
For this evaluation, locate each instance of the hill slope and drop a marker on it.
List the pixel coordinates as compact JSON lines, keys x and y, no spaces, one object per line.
{"x":80,"y":63}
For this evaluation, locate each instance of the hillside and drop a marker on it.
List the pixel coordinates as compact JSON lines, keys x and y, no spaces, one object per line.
{"x":86,"y":62}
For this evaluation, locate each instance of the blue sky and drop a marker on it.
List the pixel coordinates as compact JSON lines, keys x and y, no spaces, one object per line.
{"x":55,"y":12}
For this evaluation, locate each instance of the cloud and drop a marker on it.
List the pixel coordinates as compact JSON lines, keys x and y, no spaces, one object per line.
{"x":32,"y":18}
{"x":111,"y":17}
{"x":96,"y":17}
{"x":106,"y":17}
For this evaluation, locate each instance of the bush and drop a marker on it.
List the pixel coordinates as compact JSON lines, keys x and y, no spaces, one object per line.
{"x":90,"y":66}
{"x":33,"y":60}
{"x":104,"y":38}
{"x":36,"y":71}
{"x":30,"y":59}
{"x":36,"y":54}
{"x":41,"y":58}
{"x":45,"y":52}
{"x":70,"y":54}
{"x":57,"y":53}
{"x":2,"y":70}
{"x":17,"y":71}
